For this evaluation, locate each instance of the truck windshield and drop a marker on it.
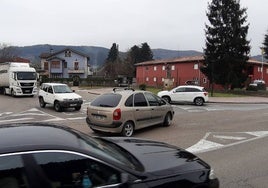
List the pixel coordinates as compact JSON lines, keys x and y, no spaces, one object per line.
{"x":26,"y":75}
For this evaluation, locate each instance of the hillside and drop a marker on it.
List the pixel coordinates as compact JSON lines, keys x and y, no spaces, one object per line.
{"x":97,"y":54}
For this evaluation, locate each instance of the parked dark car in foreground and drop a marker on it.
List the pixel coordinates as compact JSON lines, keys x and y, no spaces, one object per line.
{"x":49,"y":156}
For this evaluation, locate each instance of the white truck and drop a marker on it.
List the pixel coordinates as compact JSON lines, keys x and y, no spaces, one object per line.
{"x":18,"y":79}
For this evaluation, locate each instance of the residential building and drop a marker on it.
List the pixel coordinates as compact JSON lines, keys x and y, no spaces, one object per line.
{"x":186,"y":70}
{"x":66,"y":63}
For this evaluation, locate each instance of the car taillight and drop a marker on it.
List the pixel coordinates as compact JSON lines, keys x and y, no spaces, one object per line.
{"x":205,"y":93}
{"x":117,"y":114}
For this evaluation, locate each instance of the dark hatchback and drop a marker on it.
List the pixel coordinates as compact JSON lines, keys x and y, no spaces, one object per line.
{"x":50,"y":156}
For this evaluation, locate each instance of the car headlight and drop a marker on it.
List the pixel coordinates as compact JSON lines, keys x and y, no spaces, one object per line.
{"x":212,"y":175}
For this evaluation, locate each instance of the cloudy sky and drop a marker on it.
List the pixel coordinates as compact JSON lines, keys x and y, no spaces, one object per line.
{"x":168,"y":24}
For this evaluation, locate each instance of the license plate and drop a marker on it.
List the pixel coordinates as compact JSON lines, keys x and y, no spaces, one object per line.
{"x":73,"y":104}
{"x":27,"y":91}
{"x":99,"y":117}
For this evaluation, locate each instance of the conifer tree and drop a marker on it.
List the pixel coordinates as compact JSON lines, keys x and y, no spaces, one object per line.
{"x":227,"y":48}
{"x":265,"y":46}
{"x":146,"y":52}
{"x":113,"y":53}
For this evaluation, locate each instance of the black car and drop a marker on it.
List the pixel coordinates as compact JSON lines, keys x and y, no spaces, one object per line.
{"x":50,"y":156}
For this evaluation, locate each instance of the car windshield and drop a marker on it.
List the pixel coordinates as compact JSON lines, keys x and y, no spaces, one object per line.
{"x":62,"y":89}
{"x":107,"y":100}
{"x":26,"y":75}
{"x":110,"y":151}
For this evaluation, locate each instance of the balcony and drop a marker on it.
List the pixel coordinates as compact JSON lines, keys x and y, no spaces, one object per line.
{"x":76,"y":71}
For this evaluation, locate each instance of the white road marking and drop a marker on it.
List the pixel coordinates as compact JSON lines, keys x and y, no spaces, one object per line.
{"x":258,"y":133}
{"x":6,"y":113}
{"x":76,"y":118}
{"x":10,"y":120}
{"x":229,"y":137}
{"x":205,"y":145}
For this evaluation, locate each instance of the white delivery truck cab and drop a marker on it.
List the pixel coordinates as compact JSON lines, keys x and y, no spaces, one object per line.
{"x":18,"y":79}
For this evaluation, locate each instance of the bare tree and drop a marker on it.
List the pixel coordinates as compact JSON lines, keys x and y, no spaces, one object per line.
{"x":7,"y":53}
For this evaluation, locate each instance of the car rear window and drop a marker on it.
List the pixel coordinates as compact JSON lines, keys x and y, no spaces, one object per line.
{"x":107,"y":100}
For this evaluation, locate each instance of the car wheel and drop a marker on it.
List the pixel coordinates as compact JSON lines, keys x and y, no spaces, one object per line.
{"x":166,"y":98}
{"x":42,"y":102}
{"x":77,"y":108}
{"x":199,"y":101}
{"x":128,"y":129}
{"x":57,"y":106}
{"x":13,"y":93}
{"x":167,"y":120}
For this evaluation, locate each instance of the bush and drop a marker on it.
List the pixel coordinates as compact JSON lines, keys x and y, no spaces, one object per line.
{"x":142,"y":87}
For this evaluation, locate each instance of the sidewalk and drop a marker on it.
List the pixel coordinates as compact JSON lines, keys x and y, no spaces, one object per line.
{"x":238,"y":100}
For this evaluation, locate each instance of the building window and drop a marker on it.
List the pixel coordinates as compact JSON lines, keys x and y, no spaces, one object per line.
{"x":55,"y":75}
{"x":195,"y":66}
{"x":68,"y":53}
{"x":163,"y":79}
{"x":147,"y":79}
{"x":154,"y":79}
{"x":65,"y":64}
{"x":163,"y":67}
{"x":45,"y":65}
{"x":259,"y":69}
{"x":76,"y":65}
{"x":173,"y":67}
{"x":155,"y":68}
{"x":204,"y":80}
{"x":55,"y":64}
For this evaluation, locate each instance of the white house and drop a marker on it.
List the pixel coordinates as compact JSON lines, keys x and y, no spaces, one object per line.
{"x":66,"y":63}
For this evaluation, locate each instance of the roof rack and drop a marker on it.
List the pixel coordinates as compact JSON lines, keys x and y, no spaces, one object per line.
{"x":121,"y":89}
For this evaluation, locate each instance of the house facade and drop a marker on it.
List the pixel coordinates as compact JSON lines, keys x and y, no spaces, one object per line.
{"x":66,"y":63}
{"x":186,"y":70}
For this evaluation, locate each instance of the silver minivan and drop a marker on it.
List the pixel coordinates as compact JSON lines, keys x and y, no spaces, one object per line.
{"x":126,"y":111}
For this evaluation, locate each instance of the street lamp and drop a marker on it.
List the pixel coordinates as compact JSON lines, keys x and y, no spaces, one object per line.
{"x":262,"y":53}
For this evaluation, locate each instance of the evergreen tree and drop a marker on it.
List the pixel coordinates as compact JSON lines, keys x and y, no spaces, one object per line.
{"x":146,"y":53}
{"x":265,"y":46}
{"x":227,"y":48}
{"x":134,"y":55}
{"x":113,"y":53}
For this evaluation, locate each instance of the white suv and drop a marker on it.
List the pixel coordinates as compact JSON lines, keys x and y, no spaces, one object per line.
{"x":59,"y":95}
{"x":186,"y":93}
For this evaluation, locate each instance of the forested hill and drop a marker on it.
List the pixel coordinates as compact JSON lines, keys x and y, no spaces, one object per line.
{"x":97,"y":54}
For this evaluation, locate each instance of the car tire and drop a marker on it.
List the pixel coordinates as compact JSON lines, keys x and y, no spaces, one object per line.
{"x":77,"y":108}
{"x":167,"y":120}
{"x":57,"y":106}
{"x":199,"y":101}
{"x":128,"y":129}
{"x":166,"y":98}
{"x":13,"y":93}
{"x":42,"y":102}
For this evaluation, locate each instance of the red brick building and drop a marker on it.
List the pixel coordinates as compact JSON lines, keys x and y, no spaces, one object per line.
{"x":182,"y":70}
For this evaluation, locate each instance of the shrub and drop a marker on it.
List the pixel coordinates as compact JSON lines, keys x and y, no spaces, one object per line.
{"x":142,"y":87}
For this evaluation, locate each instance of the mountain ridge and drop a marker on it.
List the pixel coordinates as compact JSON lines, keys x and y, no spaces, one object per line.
{"x":97,"y":54}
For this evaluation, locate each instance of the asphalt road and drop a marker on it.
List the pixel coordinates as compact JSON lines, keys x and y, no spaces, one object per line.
{"x":231,"y":137}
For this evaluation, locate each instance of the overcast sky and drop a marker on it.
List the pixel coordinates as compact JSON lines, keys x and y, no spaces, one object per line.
{"x":168,"y":24}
